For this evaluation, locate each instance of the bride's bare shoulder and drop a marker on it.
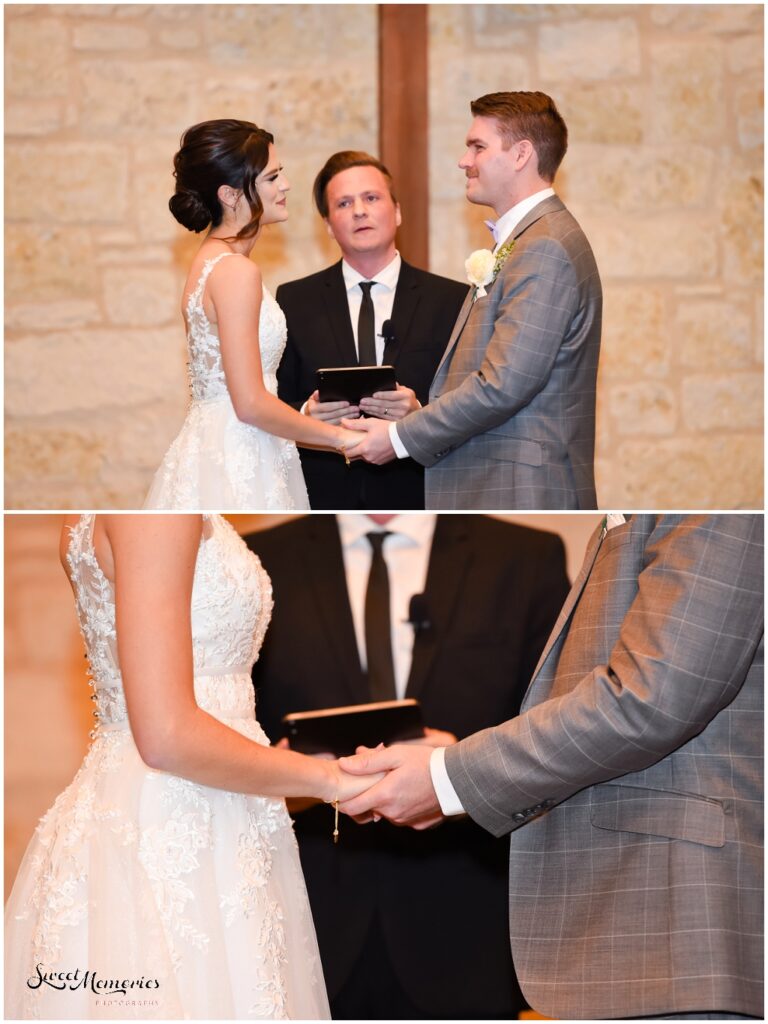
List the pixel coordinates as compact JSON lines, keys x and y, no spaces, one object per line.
{"x":239,"y":269}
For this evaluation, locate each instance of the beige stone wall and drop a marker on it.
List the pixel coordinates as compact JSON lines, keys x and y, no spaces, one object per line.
{"x":665,"y":173}
{"x":47,"y":706}
{"x":97,"y":96}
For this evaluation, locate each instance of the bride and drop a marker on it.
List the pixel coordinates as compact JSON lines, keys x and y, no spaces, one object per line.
{"x":236,"y":449}
{"x":165,"y":882}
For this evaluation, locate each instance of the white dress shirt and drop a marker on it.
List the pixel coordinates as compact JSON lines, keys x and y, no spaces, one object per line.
{"x":382,"y":296}
{"x":446,"y":795}
{"x":406,"y":553}
{"x":504,"y":227}
{"x":508,"y":221}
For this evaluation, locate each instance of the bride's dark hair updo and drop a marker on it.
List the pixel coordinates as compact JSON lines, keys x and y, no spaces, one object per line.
{"x":212,"y":154}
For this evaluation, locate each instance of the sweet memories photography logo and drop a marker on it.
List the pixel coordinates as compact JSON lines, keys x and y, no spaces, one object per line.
{"x":78,"y":979}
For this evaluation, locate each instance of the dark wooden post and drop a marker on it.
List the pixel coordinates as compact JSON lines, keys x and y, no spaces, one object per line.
{"x":403,"y":120}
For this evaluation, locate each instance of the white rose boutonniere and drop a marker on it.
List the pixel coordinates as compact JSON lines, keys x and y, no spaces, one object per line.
{"x":480,"y":269}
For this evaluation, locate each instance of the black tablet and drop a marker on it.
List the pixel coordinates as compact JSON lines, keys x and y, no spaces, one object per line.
{"x":342,"y":730}
{"x":351,"y":383}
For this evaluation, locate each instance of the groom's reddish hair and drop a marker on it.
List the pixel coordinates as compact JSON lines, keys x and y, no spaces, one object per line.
{"x":528,"y":115}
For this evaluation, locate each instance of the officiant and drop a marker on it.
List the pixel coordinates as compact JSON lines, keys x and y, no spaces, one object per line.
{"x":411,"y":925}
{"x":371,"y":307}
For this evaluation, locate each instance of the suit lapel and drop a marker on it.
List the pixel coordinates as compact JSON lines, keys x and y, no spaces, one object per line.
{"x":549,"y":205}
{"x":458,"y":327}
{"x":552,"y":204}
{"x":337,"y":311}
{"x":326,"y":578}
{"x":449,"y":560}
{"x":570,"y":603}
{"x":407,"y":295}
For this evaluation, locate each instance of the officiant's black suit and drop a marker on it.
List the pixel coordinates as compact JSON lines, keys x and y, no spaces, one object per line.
{"x":492,"y":595}
{"x":320,"y":335}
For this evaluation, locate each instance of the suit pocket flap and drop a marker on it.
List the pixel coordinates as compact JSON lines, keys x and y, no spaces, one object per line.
{"x":514,"y":449}
{"x":654,"y":812}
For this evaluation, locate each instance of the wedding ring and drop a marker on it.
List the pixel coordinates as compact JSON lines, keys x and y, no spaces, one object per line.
{"x":386,"y":412}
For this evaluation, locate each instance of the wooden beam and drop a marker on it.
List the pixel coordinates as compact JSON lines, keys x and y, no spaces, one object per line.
{"x":403,"y":120}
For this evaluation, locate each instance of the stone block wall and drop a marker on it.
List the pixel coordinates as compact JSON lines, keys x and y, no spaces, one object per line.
{"x":96,"y":99}
{"x":664,"y":171}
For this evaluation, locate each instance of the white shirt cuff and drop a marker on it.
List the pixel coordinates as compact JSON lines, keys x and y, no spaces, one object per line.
{"x":400,"y":450}
{"x":446,"y":794}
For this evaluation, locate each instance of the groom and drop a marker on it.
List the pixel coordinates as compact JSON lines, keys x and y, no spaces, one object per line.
{"x":511,"y":415}
{"x":631,"y":783}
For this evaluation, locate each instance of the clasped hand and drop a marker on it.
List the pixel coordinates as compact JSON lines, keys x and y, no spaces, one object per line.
{"x":383,"y":408}
{"x":366,"y":438}
{"x":405,"y":795}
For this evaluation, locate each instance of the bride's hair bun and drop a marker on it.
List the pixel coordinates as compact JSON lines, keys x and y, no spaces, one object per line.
{"x":188,"y":208}
{"x":212,"y":154}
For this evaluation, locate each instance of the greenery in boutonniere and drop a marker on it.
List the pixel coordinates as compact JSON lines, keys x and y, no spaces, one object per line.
{"x":501,"y":256}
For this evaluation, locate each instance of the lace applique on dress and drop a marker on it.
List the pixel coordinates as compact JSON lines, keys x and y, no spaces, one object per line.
{"x":217,"y":460}
{"x":205,"y":368}
{"x":231,"y":606}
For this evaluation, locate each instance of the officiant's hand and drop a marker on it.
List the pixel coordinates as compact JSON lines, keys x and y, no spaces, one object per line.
{"x":405,"y":796}
{"x":376,"y":447}
{"x":434,"y":738}
{"x":391,"y":405}
{"x":330,"y":412}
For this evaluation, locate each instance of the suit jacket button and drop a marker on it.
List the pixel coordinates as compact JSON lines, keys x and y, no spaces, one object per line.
{"x":518,"y":816}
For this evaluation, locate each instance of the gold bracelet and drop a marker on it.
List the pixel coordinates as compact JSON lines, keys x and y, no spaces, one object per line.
{"x":335,"y":820}
{"x":343,"y":451}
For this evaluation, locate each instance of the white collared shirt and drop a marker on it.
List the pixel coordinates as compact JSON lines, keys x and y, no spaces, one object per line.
{"x":505,"y":225}
{"x":406,"y":553}
{"x":508,"y":221}
{"x":382,"y":296}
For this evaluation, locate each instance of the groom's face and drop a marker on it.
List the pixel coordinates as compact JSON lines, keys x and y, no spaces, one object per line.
{"x":489,"y":168}
{"x":362,"y":216}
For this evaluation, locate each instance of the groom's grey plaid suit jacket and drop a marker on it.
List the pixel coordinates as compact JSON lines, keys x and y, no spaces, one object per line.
{"x":511,"y":416}
{"x":632,"y":781}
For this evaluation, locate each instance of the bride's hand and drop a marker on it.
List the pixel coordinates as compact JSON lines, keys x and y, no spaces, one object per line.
{"x":345,"y":786}
{"x":348,"y":440}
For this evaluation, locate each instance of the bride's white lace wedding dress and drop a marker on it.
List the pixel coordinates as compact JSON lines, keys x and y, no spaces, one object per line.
{"x":191,"y":898}
{"x":217,"y":461}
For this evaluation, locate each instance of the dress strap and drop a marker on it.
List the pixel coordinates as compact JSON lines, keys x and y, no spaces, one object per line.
{"x":81,"y":531}
{"x":208,"y":266}
{"x":196,"y":295}
{"x":209,"y":526}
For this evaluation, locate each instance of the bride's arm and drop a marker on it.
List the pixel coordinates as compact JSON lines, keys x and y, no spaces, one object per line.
{"x":236,"y":292}
{"x":154,"y":562}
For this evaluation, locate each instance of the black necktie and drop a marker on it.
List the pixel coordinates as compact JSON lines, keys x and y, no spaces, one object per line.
{"x":378,"y":633}
{"x":366,"y":328}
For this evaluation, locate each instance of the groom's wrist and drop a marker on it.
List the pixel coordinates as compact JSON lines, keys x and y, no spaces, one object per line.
{"x":447,"y":797}
{"x":400,"y":450}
